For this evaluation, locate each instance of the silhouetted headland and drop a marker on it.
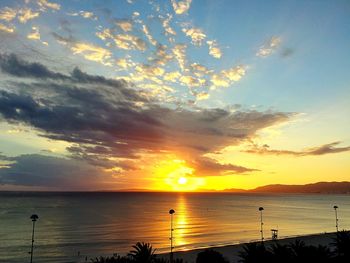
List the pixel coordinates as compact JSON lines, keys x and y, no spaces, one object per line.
{"x":315,"y":188}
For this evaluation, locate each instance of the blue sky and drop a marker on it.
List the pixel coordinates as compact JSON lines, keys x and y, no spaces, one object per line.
{"x":256,"y":80}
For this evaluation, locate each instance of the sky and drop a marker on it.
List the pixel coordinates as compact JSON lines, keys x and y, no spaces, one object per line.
{"x":173,"y":95}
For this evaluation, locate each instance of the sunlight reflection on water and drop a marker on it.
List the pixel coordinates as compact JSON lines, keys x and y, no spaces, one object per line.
{"x":104,"y":223}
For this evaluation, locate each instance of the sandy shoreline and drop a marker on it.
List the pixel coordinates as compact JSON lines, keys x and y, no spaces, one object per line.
{"x":230,"y":252}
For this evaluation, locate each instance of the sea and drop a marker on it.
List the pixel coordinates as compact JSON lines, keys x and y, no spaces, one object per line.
{"x":75,"y":227}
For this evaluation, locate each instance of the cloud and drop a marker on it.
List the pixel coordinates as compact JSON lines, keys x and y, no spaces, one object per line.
{"x":172,"y":76}
{"x":200,"y":70}
{"x":11,"y":65}
{"x":149,"y":71}
{"x":196,"y":34}
{"x":45,"y":4}
{"x":226,"y":77}
{"x":320,"y":150}
{"x":179,"y":52}
{"x":287,"y":52}
{"x":54,"y":172}
{"x":92,"y":52}
{"x":269,"y":47}
{"x":192,"y":81}
{"x":123,"y":41}
{"x":84,"y":14}
{"x":8,"y":14}
{"x":35,"y":35}
{"x":26,"y":14}
{"x":166,"y":25}
{"x":124,"y":25}
{"x":181,"y":7}
{"x":148,"y":35}
{"x":6,"y":29}
{"x":107,"y":122}
{"x":202,"y":95}
{"x":87,"y":50}
{"x":214,"y":50}
{"x":209,"y":167}
{"x":124,"y":63}
{"x":163,"y":55}
{"x":22,"y":14}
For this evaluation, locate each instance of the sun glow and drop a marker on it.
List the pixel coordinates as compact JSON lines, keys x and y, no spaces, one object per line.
{"x":182,"y":180}
{"x":175,"y":175}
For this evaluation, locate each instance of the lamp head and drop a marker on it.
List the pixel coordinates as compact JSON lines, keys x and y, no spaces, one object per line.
{"x":171,"y":211}
{"x":34,"y":217}
{"x":261,"y":208}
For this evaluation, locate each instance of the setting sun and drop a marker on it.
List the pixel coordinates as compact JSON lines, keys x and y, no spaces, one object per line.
{"x":176,"y":175}
{"x":182,"y":180}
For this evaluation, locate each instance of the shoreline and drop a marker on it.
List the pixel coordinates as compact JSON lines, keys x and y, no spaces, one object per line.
{"x":230,"y":252}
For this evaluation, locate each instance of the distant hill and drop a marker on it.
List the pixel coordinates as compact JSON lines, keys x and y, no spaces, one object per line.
{"x":321,"y":188}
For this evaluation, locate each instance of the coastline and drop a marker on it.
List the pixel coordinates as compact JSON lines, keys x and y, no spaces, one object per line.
{"x":230,"y":252}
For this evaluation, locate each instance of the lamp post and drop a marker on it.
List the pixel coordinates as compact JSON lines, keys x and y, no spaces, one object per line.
{"x":34,"y":218}
{"x":336,"y":217}
{"x":261,"y":223}
{"x":171,"y":212}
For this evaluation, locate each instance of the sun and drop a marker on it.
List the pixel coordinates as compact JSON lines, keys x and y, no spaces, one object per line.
{"x":175,"y":175}
{"x":182,"y":180}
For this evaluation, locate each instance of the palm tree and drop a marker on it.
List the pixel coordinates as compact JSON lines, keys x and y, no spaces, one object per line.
{"x":142,"y":253}
{"x":210,"y":256}
{"x":114,"y":259}
{"x":163,"y":260}
{"x":341,"y":246}
{"x":322,"y":254}
{"x":281,"y":253}
{"x":254,"y":253}
{"x":302,"y":253}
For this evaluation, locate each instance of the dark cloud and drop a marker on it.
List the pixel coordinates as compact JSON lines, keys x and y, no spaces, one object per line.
{"x":320,"y":150}
{"x":10,"y":64}
{"x":40,"y":170}
{"x":287,"y":52}
{"x":66,"y":26}
{"x":327,"y":148}
{"x":206,"y":166}
{"x":106,"y":119}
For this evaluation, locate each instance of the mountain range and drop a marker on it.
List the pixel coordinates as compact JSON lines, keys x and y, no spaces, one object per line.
{"x":315,"y":188}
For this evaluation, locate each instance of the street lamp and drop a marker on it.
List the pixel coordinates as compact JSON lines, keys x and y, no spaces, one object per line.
{"x":261,"y":223}
{"x":171,"y":212}
{"x":34,"y":217}
{"x":336,"y":217}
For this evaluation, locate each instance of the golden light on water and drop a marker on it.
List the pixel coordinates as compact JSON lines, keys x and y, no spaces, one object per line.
{"x":181,"y":223}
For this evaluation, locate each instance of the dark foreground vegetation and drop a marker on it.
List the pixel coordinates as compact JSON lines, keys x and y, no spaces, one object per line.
{"x":296,"y":252}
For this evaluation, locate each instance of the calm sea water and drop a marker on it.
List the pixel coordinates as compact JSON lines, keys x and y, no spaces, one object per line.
{"x":73,"y":226}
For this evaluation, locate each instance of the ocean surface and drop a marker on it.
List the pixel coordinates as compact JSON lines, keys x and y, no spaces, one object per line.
{"x":75,"y":226}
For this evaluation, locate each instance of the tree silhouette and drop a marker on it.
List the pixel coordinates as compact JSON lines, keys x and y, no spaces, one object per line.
{"x":210,"y":256}
{"x":302,"y":253}
{"x":281,"y":253}
{"x":142,"y":253}
{"x":254,"y":252}
{"x":114,"y":259}
{"x":341,"y":246}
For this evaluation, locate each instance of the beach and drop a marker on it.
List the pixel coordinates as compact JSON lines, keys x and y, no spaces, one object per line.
{"x":231,"y":252}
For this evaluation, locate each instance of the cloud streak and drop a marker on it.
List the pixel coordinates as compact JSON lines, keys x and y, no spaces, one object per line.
{"x":269,"y":47}
{"x":315,"y":151}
